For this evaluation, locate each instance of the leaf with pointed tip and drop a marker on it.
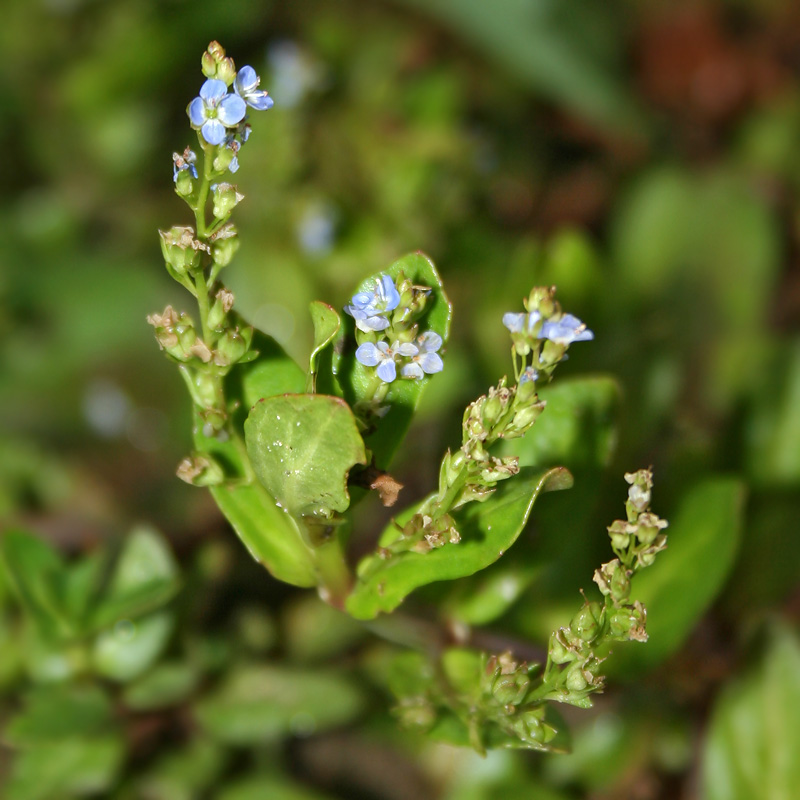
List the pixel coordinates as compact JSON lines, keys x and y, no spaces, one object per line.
{"x":326,"y":325}
{"x":487,"y":530}
{"x":270,"y":535}
{"x":302,"y":447}
{"x":403,"y":395}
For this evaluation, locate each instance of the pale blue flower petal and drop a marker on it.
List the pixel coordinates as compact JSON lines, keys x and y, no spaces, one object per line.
{"x":431,"y":363}
{"x":406,"y":349}
{"x":213,"y":131}
{"x":430,"y":341}
{"x":387,"y":371}
{"x":412,"y":370}
{"x":197,"y":112}
{"x":212,"y":91}
{"x":232,"y":110}
{"x":514,"y":322}
{"x":368,"y":355}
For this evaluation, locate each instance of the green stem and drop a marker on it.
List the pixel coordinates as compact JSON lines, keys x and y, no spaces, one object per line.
{"x":335,"y":578}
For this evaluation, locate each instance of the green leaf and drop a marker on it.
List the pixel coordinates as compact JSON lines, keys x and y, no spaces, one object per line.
{"x":165,"y":685}
{"x":302,"y":447}
{"x":71,"y":767}
{"x":271,"y":536}
{"x":403,"y":395}
{"x":261,"y":704}
{"x":53,"y":713}
{"x":184,"y":774}
{"x":268,"y":786}
{"x":494,"y":592}
{"x":487,"y":530}
{"x":273,"y":372}
{"x":130,"y":648}
{"x":36,"y":574}
{"x":577,"y":429}
{"x":562,"y":48}
{"x":754,"y":736}
{"x":145,"y":578}
{"x":703,"y":539}
{"x":326,"y":325}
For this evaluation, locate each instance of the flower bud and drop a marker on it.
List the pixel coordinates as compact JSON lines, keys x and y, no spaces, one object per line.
{"x":232,"y":345}
{"x":180,"y":249}
{"x":225,"y":198}
{"x":510,"y":690}
{"x":223,"y":303}
{"x":215,"y":64}
{"x":648,"y":527}
{"x":559,"y":650}
{"x":200,"y":469}
{"x":576,"y":679}
{"x":542,"y":299}
{"x":586,"y":624}
{"x":224,"y":244}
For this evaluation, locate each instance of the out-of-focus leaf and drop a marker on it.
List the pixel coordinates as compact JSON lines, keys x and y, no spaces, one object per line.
{"x":184,"y":774}
{"x":36,"y":574}
{"x":487,"y":530}
{"x":754,"y":738}
{"x":774,"y":426}
{"x":326,"y":325}
{"x":577,"y":428}
{"x":703,"y":539}
{"x":61,"y":712}
{"x":302,"y":447}
{"x":71,"y":767}
{"x":262,"y":704}
{"x":268,"y":786}
{"x":145,"y":578}
{"x":552,"y":45}
{"x":314,"y":631}
{"x":165,"y":685}
{"x":403,"y":395}
{"x":131,"y":647}
{"x":494,"y":592}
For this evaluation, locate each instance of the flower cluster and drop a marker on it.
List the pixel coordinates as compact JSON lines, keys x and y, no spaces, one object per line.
{"x":573,"y":664}
{"x":417,"y":355}
{"x":220,"y":115}
{"x":542,"y":334}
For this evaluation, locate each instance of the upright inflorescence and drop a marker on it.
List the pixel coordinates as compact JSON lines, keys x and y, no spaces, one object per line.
{"x":540,"y":338}
{"x":194,"y":255}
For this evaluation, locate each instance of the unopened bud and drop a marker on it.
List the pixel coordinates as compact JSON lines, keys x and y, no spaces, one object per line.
{"x":224,"y":244}
{"x":215,"y":64}
{"x":225,"y":197}
{"x":180,"y":249}
{"x":586,"y":623}
{"x":200,"y":469}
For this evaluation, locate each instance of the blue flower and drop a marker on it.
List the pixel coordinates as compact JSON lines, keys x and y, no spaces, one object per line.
{"x":383,"y":357}
{"x":426,"y":360}
{"x":215,"y":110}
{"x":566,"y":330}
{"x":529,"y":374}
{"x":246,"y":87}
{"x":182,"y":161}
{"x":367,"y":309}
{"x":517,"y":323}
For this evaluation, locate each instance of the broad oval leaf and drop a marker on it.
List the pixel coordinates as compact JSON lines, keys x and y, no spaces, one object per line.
{"x":487,"y":530}
{"x":702,"y":541}
{"x":404,"y":395}
{"x":754,"y":736}
{"x":302,"y":447}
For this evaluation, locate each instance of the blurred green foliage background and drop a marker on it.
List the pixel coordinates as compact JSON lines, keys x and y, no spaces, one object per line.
{"x":643,"y":157}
